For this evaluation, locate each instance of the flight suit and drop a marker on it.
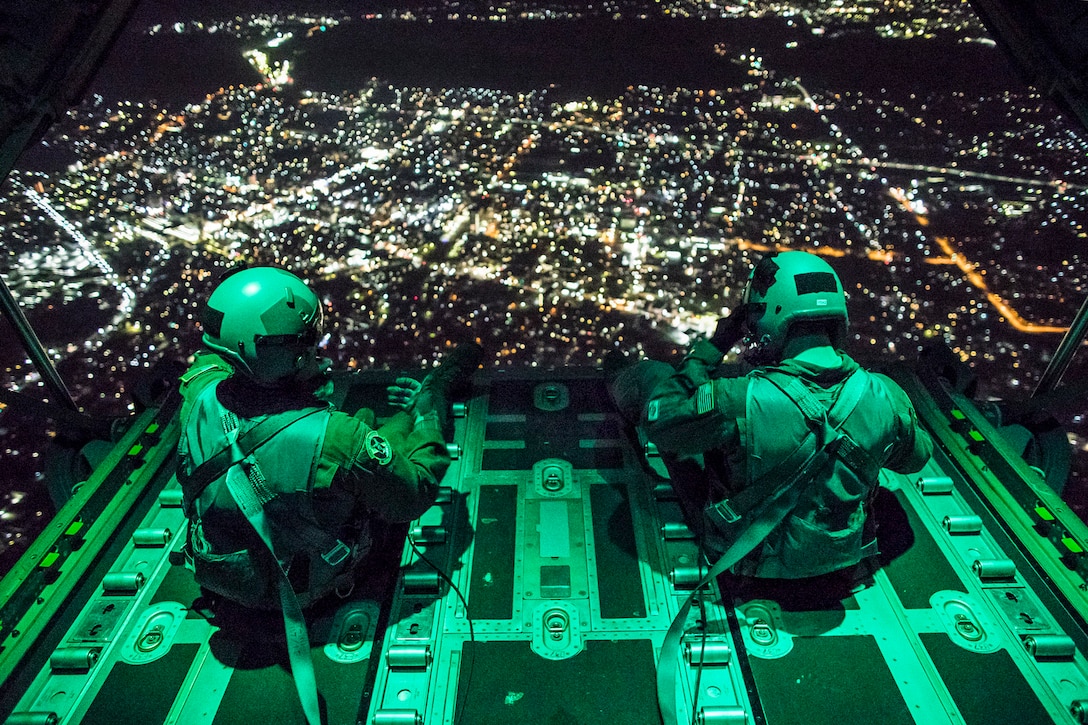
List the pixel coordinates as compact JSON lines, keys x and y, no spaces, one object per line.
{"x":745,"y":427}
{"x":321,"y":475}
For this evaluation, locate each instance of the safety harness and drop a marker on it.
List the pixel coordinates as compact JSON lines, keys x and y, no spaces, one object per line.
{"x":245,"y":482}
{"x":750,"y":516}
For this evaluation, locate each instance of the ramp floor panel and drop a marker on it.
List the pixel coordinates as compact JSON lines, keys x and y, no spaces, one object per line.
{"x":512,"y":685}
{"x":988,"y":688}
{"x":141,"y":694}
{"x":563,"y":557}
{"x":830,"y":681}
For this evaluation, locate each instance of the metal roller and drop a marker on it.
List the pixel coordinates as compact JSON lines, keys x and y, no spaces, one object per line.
{"x":987,"y":569}
{"x":454,"y":450}
{"x":722,"y":716}
{"x":171,"y":498}
{"x":712,"y":652}
{"x":421,"y":581}
{"x":970,"y":524}
{"x":397,"y":717}
{"x":459,"y":409}
{"x":123,"y":582}
{"x":1079,"y":710}
{"x":151,"y":538}
{"x":445,"y":494}
{"x":408,"y":657}
{"x":1050,"y":646}
{"x":686,"y":577}
{"x":676,"y":531}
{"x":664,"y":492}
{"x":429,"y":534}
{"x":74,"y":658}
{"x":32,"y":718}
{"x":935,"y":484}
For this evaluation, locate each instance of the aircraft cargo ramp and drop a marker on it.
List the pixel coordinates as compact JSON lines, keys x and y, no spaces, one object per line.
{"x":560,"y":532}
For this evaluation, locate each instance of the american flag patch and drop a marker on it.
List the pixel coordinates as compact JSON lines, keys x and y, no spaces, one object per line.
{"x":704,"y":399}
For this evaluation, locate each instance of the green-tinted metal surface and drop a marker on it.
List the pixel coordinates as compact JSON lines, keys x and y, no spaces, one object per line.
{"x":178,"y":586}
{"x":141,"y":694}
{"x":517,"y":396}
{"x":551,"y":435}
{"x":617,"y":558}
{"x":558,"y":433}
{"x":804,"y":602}
{"x":988,"y":688}
{"x":505,"y":431}
{"x":609,"y":682}
{"x":507,"y":459}
{"x":921,"y":569}
{"x":491,"y":593}
{"x":261,"y":691}
{"x":830,"y":681}
{"x":510,"y":396}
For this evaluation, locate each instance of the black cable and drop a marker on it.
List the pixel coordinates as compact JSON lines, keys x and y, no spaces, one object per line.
{"x":459,"y":706}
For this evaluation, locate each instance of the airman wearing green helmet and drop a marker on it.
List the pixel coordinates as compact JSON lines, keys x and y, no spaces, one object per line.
{"x":322,"y":478}
{"x":792,"y":449}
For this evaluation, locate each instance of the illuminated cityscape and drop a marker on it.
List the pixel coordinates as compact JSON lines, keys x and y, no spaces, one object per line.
{"x":548,"y":223}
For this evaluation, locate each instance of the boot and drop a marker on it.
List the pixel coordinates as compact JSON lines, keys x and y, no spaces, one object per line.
{"x":452,"y":377}
{"x":630,"y":385}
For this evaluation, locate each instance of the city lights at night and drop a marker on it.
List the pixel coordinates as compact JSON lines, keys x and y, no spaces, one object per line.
{"x":548,"y":221}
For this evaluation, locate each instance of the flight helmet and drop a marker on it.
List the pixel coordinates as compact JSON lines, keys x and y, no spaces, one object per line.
{"x":788,"y":287}
{"x":266,"y":321}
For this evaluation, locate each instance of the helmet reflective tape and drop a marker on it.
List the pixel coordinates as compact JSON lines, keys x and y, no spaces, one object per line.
{"x":813,"y":282}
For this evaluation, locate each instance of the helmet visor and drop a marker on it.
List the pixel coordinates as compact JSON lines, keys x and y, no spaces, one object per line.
{"x":306,"y":338}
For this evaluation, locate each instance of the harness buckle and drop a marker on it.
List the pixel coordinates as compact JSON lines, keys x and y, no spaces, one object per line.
{"x":337,"y":554}
{"x":725,"y":511}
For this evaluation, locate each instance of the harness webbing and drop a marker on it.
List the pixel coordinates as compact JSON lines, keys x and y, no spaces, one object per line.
{"x":772,"y":501}
{"x":294,"y":623}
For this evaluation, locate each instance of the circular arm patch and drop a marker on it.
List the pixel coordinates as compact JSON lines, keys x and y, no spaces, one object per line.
{"x":378,"y":448}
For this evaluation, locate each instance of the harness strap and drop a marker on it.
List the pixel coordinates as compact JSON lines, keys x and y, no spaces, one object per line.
{"x":294,"y":623}
{"x":767,"y":501}
{"x":774,"y":511}
{"x":194,"y":484}
{"x":239,"y":468}
{"x":848,"y":398}
{"x":823,"y":429}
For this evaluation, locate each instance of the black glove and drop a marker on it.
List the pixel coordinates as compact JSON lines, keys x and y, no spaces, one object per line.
{"x":403,"y":392}
{"x":729,"y":330}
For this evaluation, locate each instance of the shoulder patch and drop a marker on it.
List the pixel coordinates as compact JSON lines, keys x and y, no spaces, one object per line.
{"x":704,"y":400}
{"x":378,"y":448}
{"x":653,"y":411}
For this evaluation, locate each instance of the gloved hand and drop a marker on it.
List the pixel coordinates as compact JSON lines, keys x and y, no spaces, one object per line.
{"x":417,"y":399}
{"x":730,"y":329}
{"x":403,"y":393}
{"x":428,"y":401}
{"x":313,"y":367}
